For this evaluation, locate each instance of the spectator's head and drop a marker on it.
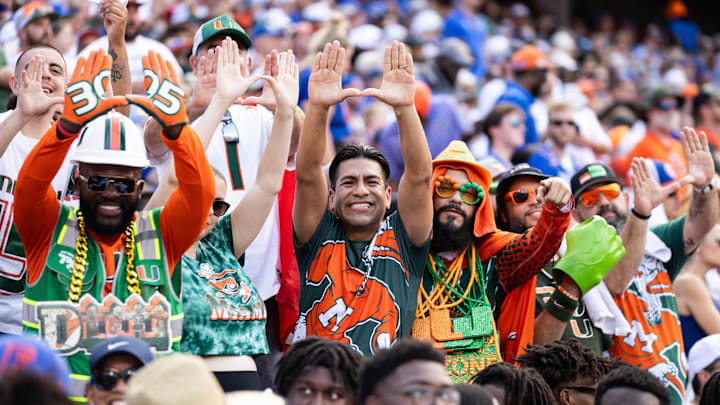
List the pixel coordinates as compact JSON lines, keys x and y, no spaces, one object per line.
{"x":631,"y":385}
{"x":409,"y":371}
{"x":562,"y":128}
{"x":474,"y":394}
{"x":511,"y":385}
{"x":505,"y":126}
{"x":178,"y":379}
{"x":707,"y":253}
{"x":112,"y":363}
{"x":706,"y":106}
{"x":663,"y":113}
{"x":272,"y":31}
{"x":33,"y":23}
{"x":219,"y":206}
{"x":711,"y":392}
{"x":29,"y":388}
{"x":53,"y":70}
{"x":359,"y":189}
{"x":211,"y":35}
{"x":31,"y":356}
{"x":109,"y":179}
{"x":317,"y":371}
{"x":517,"y":206}
{"x":598,"y":191}
{"x":460,"y":199}
{"x":571,"y":370}
{"x":454,"y":54}
{"x":530,"y":68}
{"x":703,"y":360}
{"x":134,"y":22}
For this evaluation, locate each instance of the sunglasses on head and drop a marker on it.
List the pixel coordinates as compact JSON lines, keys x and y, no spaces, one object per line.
{"x":521,"y":196}
{"x":106,"y":380}
{"x":470,"y":193}
{"x":220,"y":207}
{"x":98,"y":184}
{"x":610,"y":191}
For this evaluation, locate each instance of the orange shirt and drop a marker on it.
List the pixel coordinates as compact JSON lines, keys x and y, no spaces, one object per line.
{"x":663,"y":148}
{"x":181,"y":220}
{"x":712,"y":138}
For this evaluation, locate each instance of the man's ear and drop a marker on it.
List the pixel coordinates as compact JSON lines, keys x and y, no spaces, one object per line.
{"x":14,"y":85}
{"x":193,"y":63}
{"x":331,"y":200}
{"x":139,"y":187}
{"x":564,"y":397}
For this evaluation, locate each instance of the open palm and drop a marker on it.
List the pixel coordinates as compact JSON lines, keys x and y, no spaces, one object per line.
{"x":325,"y":83}
{"x":398,"y":83}
{"x":648,"y":194}
{"x":699,"y":159}
{"x":32,"y":100}
{"x":233,"y":72}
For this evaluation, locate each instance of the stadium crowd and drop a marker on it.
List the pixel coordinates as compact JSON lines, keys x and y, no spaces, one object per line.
{"x":356,"y":202}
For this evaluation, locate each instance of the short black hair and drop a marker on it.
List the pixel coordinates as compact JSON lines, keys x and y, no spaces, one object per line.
{"x":335,"y":356}
{"x":27,"y":387}
{"x":473,"y":394}
{"x":711,"y":391}
{"x":386,"y":361}
{"x":562,"y":362}
{"x":496,"y":115}
{"x":358,"y":151}
{"x":633,"y":377}
{"x":523,"y":386}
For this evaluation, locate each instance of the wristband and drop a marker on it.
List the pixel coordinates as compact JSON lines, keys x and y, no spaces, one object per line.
{"x":567,"y":293}
{"x":637,"y":214}
{"x":560,"y":306}
{"x":63,"y":133}
{"x":704,"y":190}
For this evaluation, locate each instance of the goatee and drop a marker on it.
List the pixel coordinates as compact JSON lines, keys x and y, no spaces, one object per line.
{"x":448,"y":237}
{"x":91,"y":219}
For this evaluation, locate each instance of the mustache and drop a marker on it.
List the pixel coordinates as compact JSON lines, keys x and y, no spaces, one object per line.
{"x":451,"y":206}
{"x":608,"y":208}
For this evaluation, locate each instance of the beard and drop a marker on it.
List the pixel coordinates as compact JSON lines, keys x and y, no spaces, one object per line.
{"x":617,"y":221}
{"x":91,"y":218}
{"x":447,"y":236}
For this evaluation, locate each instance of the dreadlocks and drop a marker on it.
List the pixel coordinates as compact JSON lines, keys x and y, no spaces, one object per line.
{"x":636,"y":378}
{"x":522,"y":386}
{"x":563,"y":362}
{"x":339,"y":358}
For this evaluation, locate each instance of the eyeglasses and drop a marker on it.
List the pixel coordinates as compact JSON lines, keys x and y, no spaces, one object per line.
{"x":106,"y":380}
{"x":559,"y":123}
{"x":427,"y":395}
{"x":521,"y":196}
{"x":588,"y":389}
{"x":590,"y":198}
{"x":98,"y":184}
{"x":220,"y":207}
{"x":470,"y":193}
{"x":666,"y":105}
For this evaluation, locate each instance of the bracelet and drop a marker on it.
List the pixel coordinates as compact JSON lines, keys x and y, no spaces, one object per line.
{"x":705,"y":189}
{"x":639,"y":215}
{"x":568,"y":293}
{"x":560,"y":306}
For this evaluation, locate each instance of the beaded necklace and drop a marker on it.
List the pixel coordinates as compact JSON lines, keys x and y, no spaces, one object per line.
{"x":81,"y":250}
{"x":444,"y":294}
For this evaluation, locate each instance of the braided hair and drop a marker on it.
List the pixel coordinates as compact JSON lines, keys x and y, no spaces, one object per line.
{"x":522,"y":386}
{"x":339,"y":358}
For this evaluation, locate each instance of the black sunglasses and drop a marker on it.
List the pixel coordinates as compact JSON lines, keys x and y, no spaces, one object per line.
{"x":558,"y":123}
{"x":98,"y":184}
{"x":588,"y":389}
{"x":108,"y":379}
{"x":220,"y":207}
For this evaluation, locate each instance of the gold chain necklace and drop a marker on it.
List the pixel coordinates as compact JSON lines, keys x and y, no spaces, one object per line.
{"x":81,"y":250}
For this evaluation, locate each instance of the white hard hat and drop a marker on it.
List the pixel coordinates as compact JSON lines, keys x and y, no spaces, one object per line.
{"x":111,"y":139}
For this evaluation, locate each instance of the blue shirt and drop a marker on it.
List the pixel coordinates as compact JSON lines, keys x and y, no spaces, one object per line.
{"x":473,"y":30}
{"x":517,"y":95}
{"x":687,"y":33}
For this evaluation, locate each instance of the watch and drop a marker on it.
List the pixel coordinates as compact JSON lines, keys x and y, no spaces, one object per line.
{"x":705,"y":189}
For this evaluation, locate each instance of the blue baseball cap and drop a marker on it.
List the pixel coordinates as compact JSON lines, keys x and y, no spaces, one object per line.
{"x":121,"y":344}
{"x":29,"y":353}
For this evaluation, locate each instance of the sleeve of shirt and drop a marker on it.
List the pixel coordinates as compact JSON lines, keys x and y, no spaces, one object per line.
{"x":526,"y":255}
{"x":305,"y":253}
{"x":185,"y":213}
{"x":671,"y":234}
{"x":36,"y":205}
{"x":414,"y":257}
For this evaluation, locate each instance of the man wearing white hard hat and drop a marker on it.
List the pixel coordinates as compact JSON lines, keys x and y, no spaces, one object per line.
{"x":85,"y":263}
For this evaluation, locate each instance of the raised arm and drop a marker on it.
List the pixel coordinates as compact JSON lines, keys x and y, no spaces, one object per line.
{"x":249,"y":216}
{"x":324,"y":90}
{"x":415,"y":188}
{"x":114,"y":15}
{"x":704,"y":210}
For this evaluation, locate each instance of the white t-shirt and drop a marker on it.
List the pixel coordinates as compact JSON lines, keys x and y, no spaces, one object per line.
{"x":135,"y":52}
{"x":238,"y":162}
{"x":12,"y":257}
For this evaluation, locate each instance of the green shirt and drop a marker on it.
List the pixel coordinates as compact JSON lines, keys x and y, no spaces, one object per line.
{"x":224,"y":313}
{"x":333,"y":303}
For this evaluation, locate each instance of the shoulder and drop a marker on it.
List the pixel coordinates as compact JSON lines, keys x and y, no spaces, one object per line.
{"x":688,"y":283}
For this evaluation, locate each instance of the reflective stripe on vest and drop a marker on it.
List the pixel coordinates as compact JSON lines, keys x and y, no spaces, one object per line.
{"x":76,"y":391}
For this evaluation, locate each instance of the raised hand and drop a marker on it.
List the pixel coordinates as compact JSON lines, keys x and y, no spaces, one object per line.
{"x":648,"y":194}
{"x":325,"y":83}
{"x":114,"y":18}
{"x":205,"y":81}
{"x":553,"y":191}
{"x":699,"y":159}
{"x":165,"y":100}
{"x":398,"y":82}
{"x":267,"y":97}
{"x":285,"y":83}
{"x":233,"y":72}
{"x":32,"y":100}
{"x":84,"y":97}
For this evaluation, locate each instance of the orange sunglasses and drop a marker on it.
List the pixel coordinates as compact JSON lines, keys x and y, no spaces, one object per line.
{"x":521,"y":196}
{"x":611,"y":191}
